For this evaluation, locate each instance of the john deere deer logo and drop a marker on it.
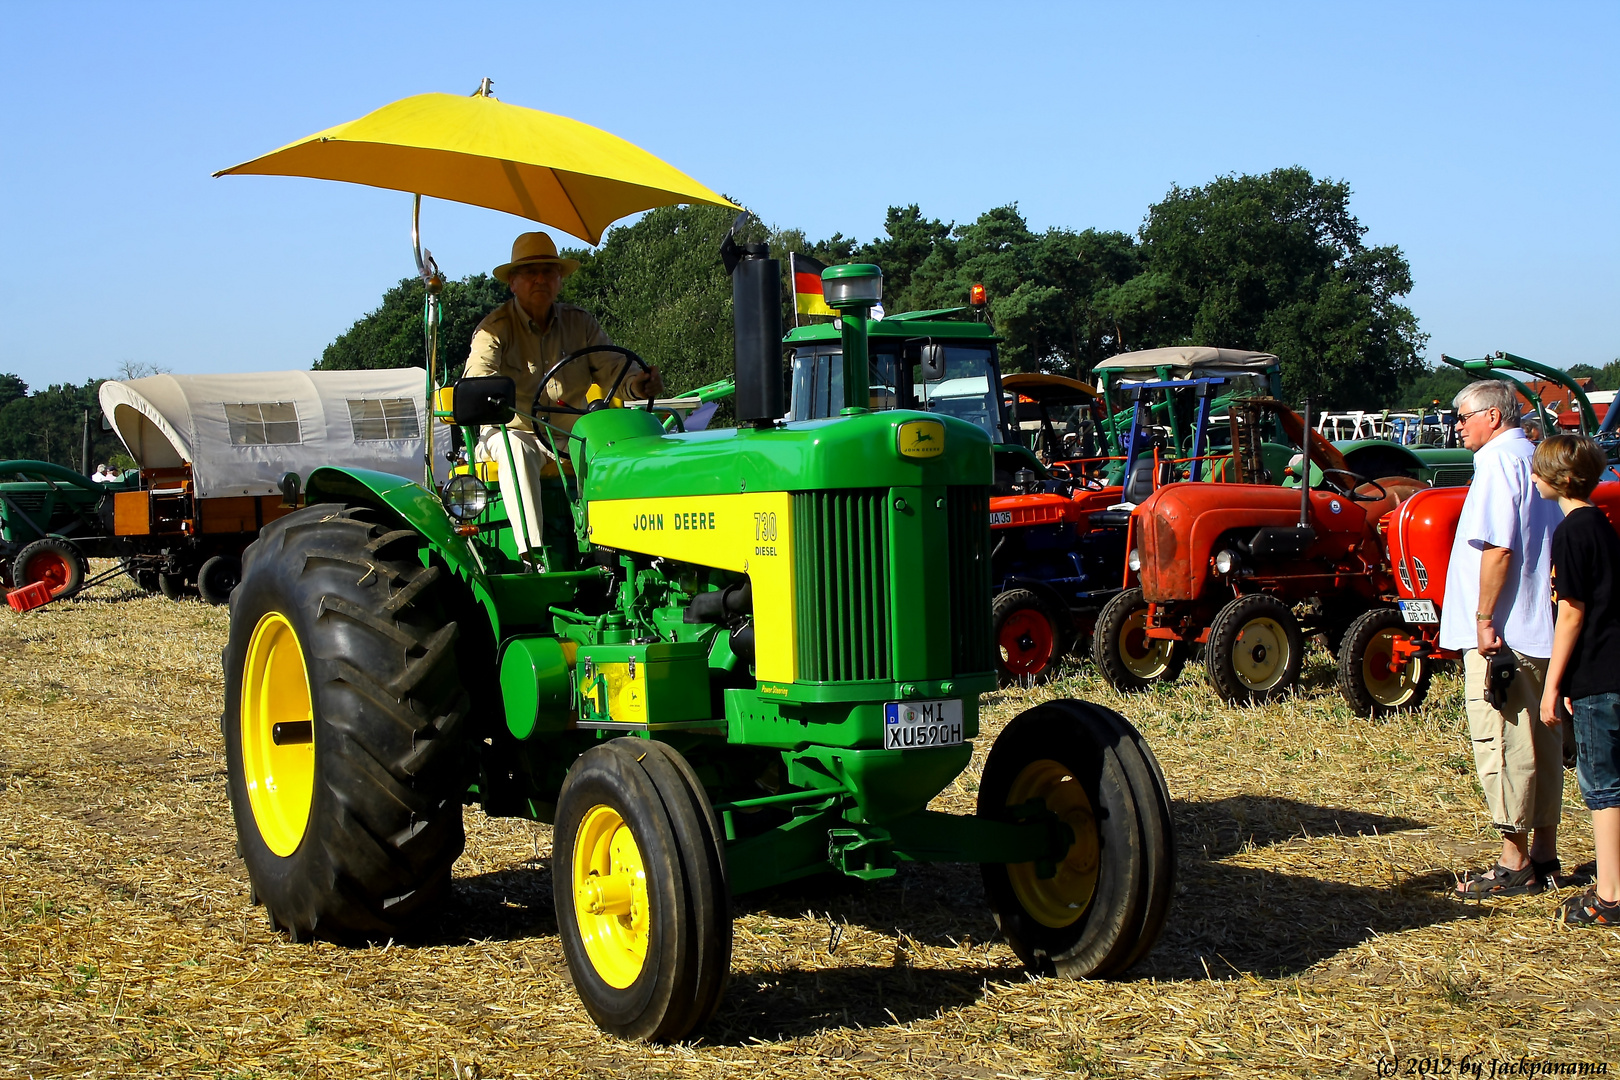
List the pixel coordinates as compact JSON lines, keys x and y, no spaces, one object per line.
{"x":921,"y":438}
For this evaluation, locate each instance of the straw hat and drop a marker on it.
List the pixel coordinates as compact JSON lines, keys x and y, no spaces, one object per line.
{"x":531,"y":249}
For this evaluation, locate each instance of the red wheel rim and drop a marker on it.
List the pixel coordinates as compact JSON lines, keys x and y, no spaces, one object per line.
{"x":1026,"y":640}
{"x":51,"y":568}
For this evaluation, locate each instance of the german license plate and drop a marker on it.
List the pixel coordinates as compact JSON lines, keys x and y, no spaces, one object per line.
{"x":1419,"y":611}
{"x":1001,"y":517}
{"x":910,"y":724}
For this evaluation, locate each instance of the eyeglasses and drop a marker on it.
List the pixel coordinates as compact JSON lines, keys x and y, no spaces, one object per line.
{"x":1464,"y":417}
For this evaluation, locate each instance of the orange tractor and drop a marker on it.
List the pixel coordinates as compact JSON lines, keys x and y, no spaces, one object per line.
{"x":1249,"y":569}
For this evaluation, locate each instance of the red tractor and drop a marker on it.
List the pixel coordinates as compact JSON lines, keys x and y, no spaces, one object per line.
{"x":1389,"y":652}
{"x":1248,"y":569}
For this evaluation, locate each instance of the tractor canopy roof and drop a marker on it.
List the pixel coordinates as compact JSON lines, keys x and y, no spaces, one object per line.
{"x":241,"y":432}
{"x":1189,"y":357}
{"x":1048,"y":389}
{"x":908,"y":326}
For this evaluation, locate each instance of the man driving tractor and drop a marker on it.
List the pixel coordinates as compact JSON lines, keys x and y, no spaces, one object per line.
{"x":522,"y":339}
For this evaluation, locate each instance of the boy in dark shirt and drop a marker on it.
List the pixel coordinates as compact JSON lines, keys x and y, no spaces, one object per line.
{"x":1585,"y":667}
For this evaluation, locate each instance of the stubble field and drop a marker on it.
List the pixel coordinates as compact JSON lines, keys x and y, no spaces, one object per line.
{"x":1311,"y":933}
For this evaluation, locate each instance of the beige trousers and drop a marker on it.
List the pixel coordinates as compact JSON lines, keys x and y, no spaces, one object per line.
{"x":519,"y":472}
{"x":1519,"y":759}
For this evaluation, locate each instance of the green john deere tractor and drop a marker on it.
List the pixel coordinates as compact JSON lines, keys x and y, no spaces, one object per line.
{"x":761,"y":659}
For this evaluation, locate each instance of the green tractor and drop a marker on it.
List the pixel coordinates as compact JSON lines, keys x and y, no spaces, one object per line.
{"x":760,"y":660}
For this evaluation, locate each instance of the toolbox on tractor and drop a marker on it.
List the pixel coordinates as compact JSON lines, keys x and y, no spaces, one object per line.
{"x":746,"y":656}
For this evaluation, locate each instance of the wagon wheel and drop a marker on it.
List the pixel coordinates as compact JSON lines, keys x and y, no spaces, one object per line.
{"x":1254,"y":651}
{"x":1100,"y":908}
{"x":1373,"y":677}
{"x":1128,"y":659}
{"x":56,"y":562}
{"x":217,"y":577}
{"x":345,"y":745}
{"x":1029,"y":637}
{"x":639,"y":883}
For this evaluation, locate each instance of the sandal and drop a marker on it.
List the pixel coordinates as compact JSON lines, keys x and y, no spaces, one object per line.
{"x":1499,"y":881}
{"x":1552,"y":874}
{"x":1588,"y":909}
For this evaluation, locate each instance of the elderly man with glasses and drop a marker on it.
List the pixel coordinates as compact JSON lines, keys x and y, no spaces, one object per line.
{"x":1498,"y":605}
{"x":523,"y":339}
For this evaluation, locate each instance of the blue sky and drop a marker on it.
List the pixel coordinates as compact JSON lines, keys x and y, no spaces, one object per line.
{"x":1481,"y":139}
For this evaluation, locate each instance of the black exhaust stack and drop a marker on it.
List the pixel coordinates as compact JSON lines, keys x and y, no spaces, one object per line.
{"x":756,"y":300}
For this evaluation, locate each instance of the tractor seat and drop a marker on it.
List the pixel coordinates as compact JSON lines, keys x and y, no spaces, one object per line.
{"x":1139,"y":486}
{"x":1400,"y":488}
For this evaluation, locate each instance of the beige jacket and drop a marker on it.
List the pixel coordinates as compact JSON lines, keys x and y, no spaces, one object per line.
{"x":508,"y":342}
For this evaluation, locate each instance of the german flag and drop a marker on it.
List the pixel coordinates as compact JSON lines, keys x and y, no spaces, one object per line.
{"x":808,"y":299}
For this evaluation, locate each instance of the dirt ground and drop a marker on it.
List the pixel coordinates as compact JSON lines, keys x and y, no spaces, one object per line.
{"x":1311,"y":933}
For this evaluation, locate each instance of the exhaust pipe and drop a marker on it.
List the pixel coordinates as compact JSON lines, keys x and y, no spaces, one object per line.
{"x":756,"y":302}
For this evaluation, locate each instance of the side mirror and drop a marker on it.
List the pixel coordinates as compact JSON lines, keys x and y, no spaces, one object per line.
{"x":931,"y":364}
{"x":486,"y":399}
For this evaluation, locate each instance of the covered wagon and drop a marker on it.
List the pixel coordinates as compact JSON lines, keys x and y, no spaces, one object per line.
{"x":215,"y":453}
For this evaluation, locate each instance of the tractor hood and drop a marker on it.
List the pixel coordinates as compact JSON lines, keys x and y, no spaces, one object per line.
{"x":627,"y":455}
{"x":1177,"y":528}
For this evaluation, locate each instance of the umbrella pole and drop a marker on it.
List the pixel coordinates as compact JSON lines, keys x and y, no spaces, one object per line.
{"x":433,"y":283}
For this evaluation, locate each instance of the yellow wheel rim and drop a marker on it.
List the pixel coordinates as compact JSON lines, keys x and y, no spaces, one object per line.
{"x":1144,"y":657}
{"x":1061,"y":899}
{"x":1389,"y":682}
{"x":610,"y":896}
{"x":278,"y":747}
{"x":1260,"y":654}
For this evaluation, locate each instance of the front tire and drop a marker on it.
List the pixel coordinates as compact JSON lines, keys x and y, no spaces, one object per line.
{"x":1372,"y":677}
{"x":56,"y":562}
{"x":1255,"y":650}
{"x":639,"y":883}
{"x":1028,"y":635}
{"x":1129,"y":660}
{"x":344,"y":717}
{"x":1106,"y":904}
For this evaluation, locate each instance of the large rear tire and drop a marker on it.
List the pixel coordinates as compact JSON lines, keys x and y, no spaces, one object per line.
{"x":1128,"y":659}
{"x":1371,"y":677}
{"x":344,"y":725}
{"x":56,"y":562}
{"x":1255,"y":650}
{"x":640,"y":888}
{"x":1106,"y":904}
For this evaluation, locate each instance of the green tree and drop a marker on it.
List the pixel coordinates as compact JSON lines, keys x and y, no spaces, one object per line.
{"x":48,"y":425}
{"x":11,"y":388}
{"x":1606,"y":377}
{"x":1432,"y":384}
{"x":1276,"y":263}
{"x":1049,"y":293}
{"x":391,"y":336}
{"x":659,"y":289}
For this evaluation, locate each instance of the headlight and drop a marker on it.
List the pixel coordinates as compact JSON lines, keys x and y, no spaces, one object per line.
{"x":465,"y":497}
{"x":1134,"y":560}
{"x":1225,"y":561}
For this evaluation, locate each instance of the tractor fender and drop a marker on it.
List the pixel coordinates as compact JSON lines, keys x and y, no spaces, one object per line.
{"x":416,"y":508}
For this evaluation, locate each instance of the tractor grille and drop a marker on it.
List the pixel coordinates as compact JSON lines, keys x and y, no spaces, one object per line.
{"x":28,"y":501}
{"x":968,"y":513}
{"x":1452,"y":476}
{"x":841,"y":567}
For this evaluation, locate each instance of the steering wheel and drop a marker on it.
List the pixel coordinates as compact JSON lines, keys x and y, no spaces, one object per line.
{"x":563,"y":406}
{"x":1357,"y":481}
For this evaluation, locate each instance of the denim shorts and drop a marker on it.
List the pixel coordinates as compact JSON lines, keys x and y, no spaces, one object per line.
{"x":1597,"y":735}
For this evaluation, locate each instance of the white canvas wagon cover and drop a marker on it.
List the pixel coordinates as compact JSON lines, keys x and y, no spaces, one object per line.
{"x":241,"y":432}
{"x":1187,"y":356}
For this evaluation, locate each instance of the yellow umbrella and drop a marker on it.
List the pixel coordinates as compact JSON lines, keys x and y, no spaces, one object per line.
{"x":485,"y":152}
